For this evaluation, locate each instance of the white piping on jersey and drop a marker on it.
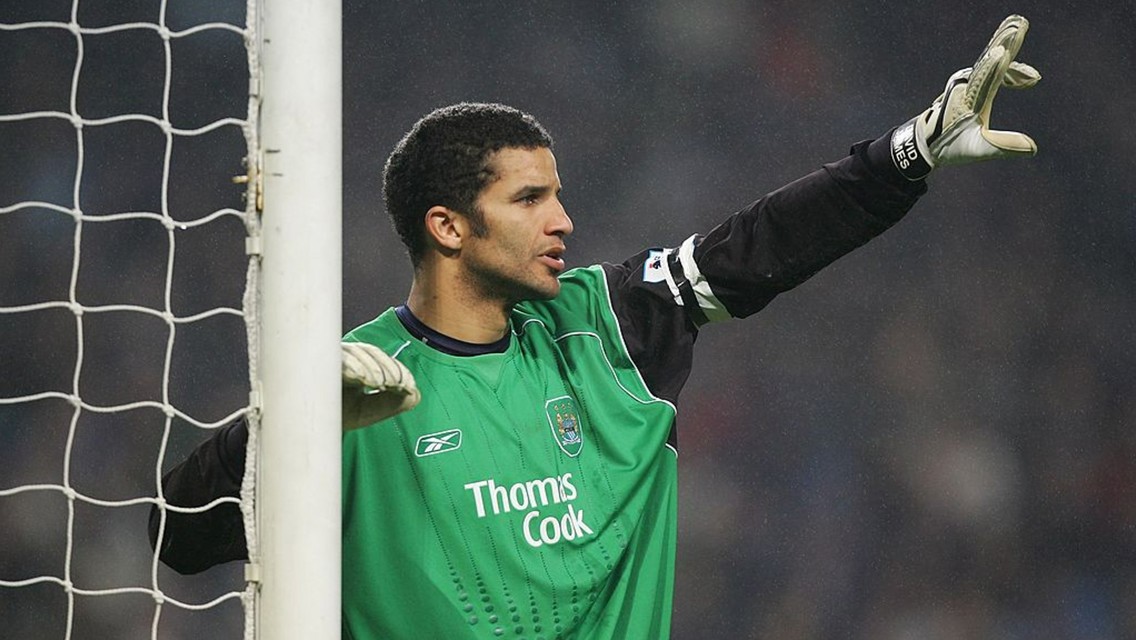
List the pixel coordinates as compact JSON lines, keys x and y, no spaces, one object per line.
{"x":521,"y":329}
{"x":652,"y":400}
{"x":713,"y":308}
{"x":399,"y":350}
{"x":623,"y":343}
{"x":609,"y":365}
{"x":603,"y":352}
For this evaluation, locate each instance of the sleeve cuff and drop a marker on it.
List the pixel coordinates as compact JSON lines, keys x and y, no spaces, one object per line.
{"x":877,"y":156}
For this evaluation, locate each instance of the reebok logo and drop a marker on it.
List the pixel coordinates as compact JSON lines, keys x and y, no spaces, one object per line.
{"x":440,"y":442}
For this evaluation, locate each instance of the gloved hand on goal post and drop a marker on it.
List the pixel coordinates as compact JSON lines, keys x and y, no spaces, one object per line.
{"x":375,"y":386}
{"x":956,"y":128}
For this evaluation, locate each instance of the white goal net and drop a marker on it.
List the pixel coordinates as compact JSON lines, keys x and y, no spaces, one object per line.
{"x":129,"y":261}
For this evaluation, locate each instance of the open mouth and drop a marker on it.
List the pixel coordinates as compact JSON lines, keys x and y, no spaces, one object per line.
{"x":554,"y":259}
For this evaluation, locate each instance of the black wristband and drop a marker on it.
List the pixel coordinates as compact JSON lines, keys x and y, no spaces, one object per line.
{"x":905,"y":152}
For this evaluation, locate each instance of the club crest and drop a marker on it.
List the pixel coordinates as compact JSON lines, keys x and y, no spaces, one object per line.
{"x":564,"y":419}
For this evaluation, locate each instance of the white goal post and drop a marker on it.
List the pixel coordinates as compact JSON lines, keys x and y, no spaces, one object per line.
{"x":89,"y":180}
{"x":299,"y":485}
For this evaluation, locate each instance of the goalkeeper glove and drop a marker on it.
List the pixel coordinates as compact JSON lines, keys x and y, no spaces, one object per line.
{"x":956,"y":128}
{"x":375,"y":386}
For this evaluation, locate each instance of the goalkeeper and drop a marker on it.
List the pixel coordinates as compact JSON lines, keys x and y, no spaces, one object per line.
{"x":532,"y":490}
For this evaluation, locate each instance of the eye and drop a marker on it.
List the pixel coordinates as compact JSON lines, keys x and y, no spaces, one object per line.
{"x":530,"y":199}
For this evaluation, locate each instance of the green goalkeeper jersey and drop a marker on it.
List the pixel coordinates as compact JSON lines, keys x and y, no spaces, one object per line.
{"x":531,"y":494}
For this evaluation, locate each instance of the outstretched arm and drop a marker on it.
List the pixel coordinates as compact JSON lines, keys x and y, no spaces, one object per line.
{"x":662,"y":296}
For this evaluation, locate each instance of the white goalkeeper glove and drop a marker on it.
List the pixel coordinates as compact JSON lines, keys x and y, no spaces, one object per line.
{"x":956,"y":128}
{"x":375,"y":386}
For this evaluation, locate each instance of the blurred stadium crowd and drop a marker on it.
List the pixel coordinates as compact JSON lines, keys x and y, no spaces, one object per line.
{"x":932,"y":439}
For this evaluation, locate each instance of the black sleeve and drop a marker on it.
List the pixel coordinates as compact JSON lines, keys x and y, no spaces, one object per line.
{"x":662,"y":296}
{"x":792,"y":233}
{"x":194,"y":542}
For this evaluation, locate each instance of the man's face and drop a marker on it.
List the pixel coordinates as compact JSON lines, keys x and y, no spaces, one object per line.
{"x":519,"y":251}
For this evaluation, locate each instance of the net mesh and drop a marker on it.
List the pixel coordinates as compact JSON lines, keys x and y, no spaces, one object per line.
{"x":119,"y":216}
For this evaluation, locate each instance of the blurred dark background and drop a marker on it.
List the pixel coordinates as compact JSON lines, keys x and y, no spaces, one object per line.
{"x":931,"y":439}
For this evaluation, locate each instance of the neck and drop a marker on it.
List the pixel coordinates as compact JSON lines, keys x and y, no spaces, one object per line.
{"x":449,"y":306}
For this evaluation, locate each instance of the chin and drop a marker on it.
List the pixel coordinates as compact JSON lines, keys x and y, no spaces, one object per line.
{"x":546,"y":291}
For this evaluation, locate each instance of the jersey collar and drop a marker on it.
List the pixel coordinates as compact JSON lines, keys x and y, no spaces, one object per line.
{"x":444,"y":343}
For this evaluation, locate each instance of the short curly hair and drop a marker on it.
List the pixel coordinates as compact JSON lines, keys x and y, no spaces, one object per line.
{"x":444,"y":160}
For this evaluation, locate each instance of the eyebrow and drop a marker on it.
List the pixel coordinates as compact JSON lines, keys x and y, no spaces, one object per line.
{"x":533,"y":190}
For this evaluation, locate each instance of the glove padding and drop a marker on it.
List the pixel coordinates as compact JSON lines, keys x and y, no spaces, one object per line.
{"x":375,"y":386}
{"x":956,"y":128}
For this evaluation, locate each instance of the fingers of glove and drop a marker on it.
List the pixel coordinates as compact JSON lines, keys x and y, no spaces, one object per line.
{"x":1011,"y":143}
{"x":357,"y":367}
{"x":367,"y":365}
{"x":353,"y":370}
{"x":986,"y":79}
{"x":370,"y":408}
{"x":397,"y":377}
{"x":1020,"y":76}
{"x":1010,"y":35}
{"x":994,"y":62}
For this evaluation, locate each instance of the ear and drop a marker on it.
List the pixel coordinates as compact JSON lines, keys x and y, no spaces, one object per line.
{"x":445,"y":227}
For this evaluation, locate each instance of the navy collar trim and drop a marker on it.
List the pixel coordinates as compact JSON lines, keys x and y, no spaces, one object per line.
{"x":444,"y":343}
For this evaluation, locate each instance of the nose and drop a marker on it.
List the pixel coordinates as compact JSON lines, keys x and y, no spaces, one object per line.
{"x":561,"y":224}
